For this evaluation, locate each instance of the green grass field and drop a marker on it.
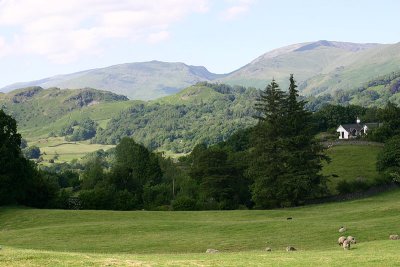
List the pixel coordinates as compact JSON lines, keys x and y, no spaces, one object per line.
{"x":66,"y":151}
{"x":350,"y":162}
{"x":32,"y":237}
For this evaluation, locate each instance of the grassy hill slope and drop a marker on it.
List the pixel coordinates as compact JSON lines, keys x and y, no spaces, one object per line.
{"x":353,"y":71}
{"x":39,"y":111}
{"x":177,"y":238}
{"x":351,"y":162}
{"x":304,"y":60}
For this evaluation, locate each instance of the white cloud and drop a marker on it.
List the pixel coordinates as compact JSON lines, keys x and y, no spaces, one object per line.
{"x":236,"y":9}
{"x":65,"y":30}
{"x":158,"y":37}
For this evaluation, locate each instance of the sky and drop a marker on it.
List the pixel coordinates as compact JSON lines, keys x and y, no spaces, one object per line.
{"x":43,"y":38}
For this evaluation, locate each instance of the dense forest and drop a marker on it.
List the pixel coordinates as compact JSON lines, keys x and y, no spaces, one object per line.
{"x":274,"y":163}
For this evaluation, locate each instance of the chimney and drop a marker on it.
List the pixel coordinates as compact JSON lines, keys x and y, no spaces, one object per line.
{"x":358,"y":120}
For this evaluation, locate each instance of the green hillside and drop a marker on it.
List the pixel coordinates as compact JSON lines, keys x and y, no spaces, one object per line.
{"x":307,"y":61}
{"x":353,"y":71}
{"x":371,"y":93}
{"x":351,"y":162}
{"x":40,"y":111}
{"x":203,"y":113}
{"x":82,"y":238}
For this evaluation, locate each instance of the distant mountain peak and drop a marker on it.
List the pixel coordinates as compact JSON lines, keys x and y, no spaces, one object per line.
{"x":353,"y":47}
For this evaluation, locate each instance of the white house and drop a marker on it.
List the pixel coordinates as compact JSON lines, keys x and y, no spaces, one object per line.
{"x":348,"y":131}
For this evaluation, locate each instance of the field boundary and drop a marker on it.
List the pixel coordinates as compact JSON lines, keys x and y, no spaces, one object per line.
{"x":356,"y":195}
{"x":351,"y":142}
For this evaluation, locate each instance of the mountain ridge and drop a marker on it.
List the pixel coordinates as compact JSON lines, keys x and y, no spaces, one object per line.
{"x":319,"y":67}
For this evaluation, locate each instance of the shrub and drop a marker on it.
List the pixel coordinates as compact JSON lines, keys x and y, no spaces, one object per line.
{"x":184,"y":203}
{"x":357,"y":185}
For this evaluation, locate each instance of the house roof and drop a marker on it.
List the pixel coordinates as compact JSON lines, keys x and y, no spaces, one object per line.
{"x":373,"y":125}
{"x":349,"y":127}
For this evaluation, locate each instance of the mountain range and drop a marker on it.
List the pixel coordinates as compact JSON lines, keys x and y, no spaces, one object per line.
{"x":319,"y":67}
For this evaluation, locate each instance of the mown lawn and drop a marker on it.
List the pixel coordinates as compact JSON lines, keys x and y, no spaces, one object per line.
{"x":142,"y":238}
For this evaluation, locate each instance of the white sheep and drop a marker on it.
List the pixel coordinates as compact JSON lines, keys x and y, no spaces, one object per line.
{"x":352,"y":239}
{"x":346,"y":244}
{"x":290,"y":248}
{"x":394,"y":237}
{"x":342,"y":229}
{"x":341,"y":240}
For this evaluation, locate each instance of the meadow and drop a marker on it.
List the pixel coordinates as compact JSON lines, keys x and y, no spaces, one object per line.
{"x":65,"y":151}
{"x":349,"y":162}
{"x":32,"y":237}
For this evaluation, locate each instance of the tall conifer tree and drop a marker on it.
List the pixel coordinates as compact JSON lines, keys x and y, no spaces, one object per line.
{"x":266,"y":166}
{"x":286,"y":159}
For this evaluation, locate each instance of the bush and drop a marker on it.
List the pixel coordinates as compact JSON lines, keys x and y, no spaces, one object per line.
{"x":124,"y":200}
{"x":184,"y":203}
{"x":32,"y":152}
{"x":357,"y":185}
{"x":98,"y":198}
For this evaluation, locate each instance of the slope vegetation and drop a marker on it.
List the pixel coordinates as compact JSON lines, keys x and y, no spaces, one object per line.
{"x":39,"y":111}
{"x":203,"y":113}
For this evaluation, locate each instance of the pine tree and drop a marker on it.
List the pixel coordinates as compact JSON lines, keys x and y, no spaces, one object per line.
{"x":286,"y":159}
{"x":304,"y":154}
{"x":267,"y":166}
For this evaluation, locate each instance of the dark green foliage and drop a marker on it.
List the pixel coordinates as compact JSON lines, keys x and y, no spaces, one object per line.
{"x":357,"y":185}
{"x":184,"y":203}
{"x":24,"y":143}
{"x":135,"y":180}
{"x":32,"y":152}
{"x":93,"y":174}
{"x":388,"y":163}
{"x":219,"y":180}
{"x":390,"y":119}
{"x":331,"y":116}
{"x":42,"y":191}
{"x":83,"y":130}
{"x":68,"y":178}
{"x":285,"y":158}
{"x":20,"y":181}
{"x":15,"y":169}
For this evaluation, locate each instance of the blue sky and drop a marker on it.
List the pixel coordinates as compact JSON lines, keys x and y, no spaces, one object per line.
{"x":41,"y":38}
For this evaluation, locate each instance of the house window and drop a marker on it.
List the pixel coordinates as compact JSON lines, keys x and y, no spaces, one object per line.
{"x":342,"y":134}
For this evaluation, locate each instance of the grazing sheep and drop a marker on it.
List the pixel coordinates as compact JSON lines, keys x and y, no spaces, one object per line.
{"x":289,"y":218}
{"x":290,"y":248}
{"x":341,"y":240}
{"x":346,"y":244}
{"x":352,"y":239}
{"x":210,"y":250}
{"x":394,"y":237}
{"x":342,"y":229}
{"x":268,"y":249}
